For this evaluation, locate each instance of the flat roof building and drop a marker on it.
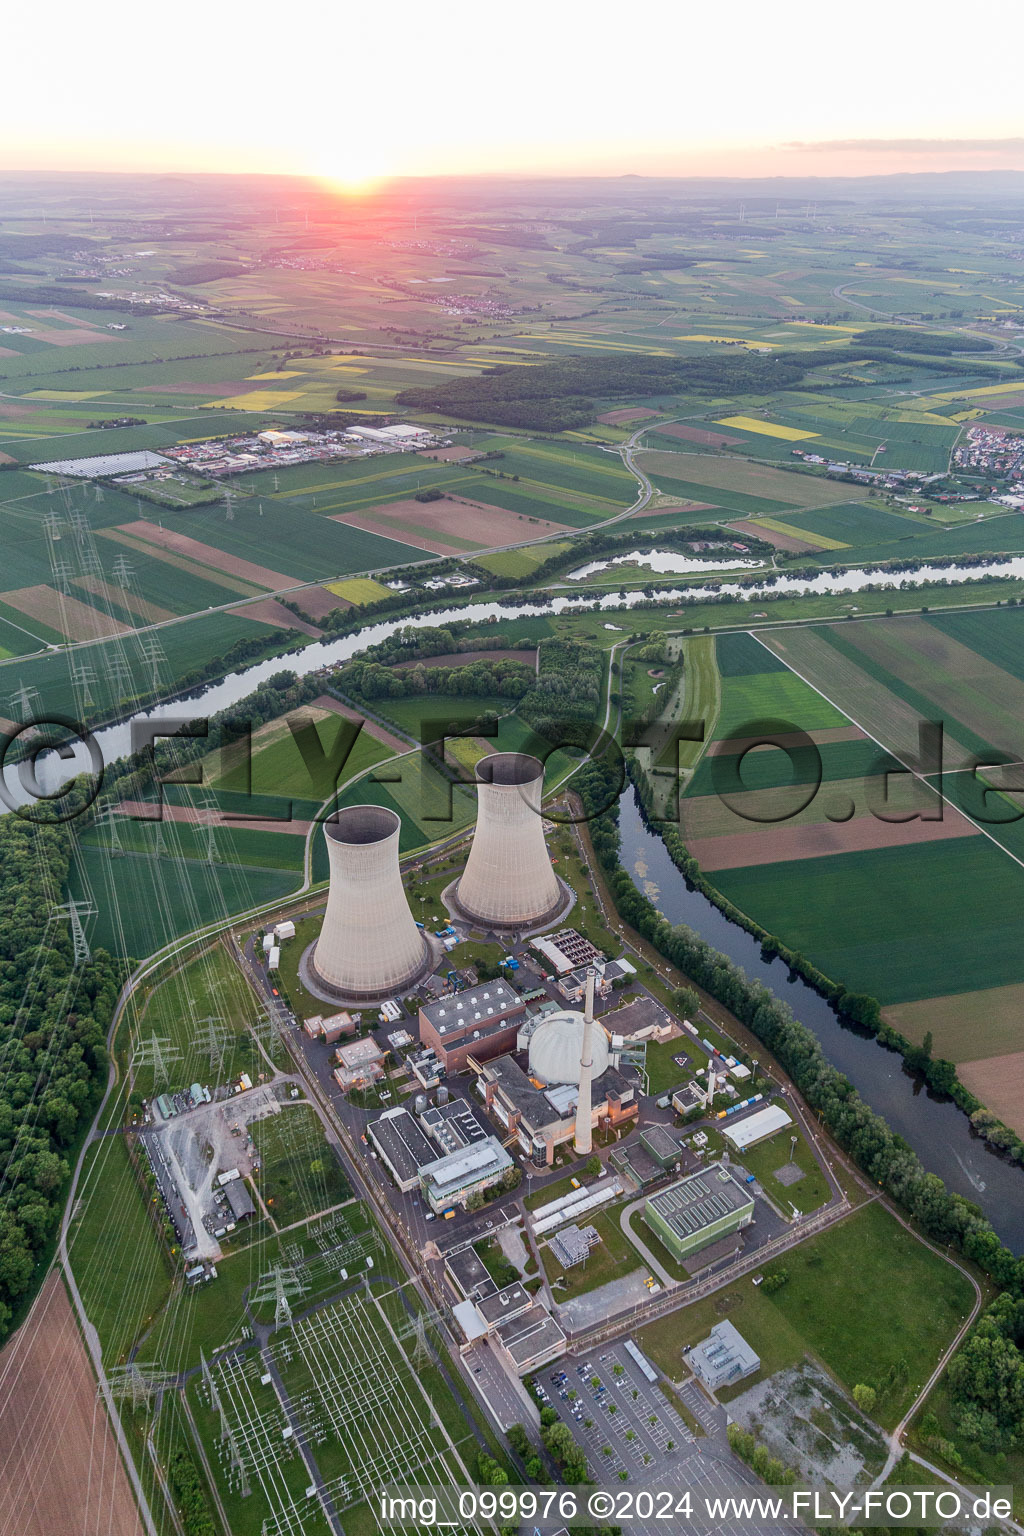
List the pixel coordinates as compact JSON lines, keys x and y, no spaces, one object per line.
{"x":330,"y":1030}
{"x":641,"y":1019}
{"x":531,"y":1339}
{"x":239,"y":1200}
{"x":565,"y":950}
{"x":359,"y":1063}
{"x":665,"y":1148}
{"x":450,"y":1180}
{"x":402,"y":1147}
{"x":723,"y":1357}
{"x":758,"y":1127}
{"x":469,"y":1274}
{"x":504,"y":1305}
{"x":482,"y":1022}
{"x":698,"y":1211}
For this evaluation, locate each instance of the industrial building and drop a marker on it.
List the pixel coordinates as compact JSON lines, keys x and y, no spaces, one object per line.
{"x":402,"y":1146}
{"x":655,"y":1152}
{"x":360,"y":1063}
{"x":508,"y":881}
{"x":641,"y":1019}
{"x":567,"y":951}
{"x":555,"y":1049}
{"x":572,"y":1245}
{"x":573,"y":984}
{"x":450,"y":1180}
{"x":698,"y":1211}
{"x":239,"y":1200}
{"x":531,"y":1339}
{"x":330,"y":1030}
{"x":481,"y":1023}
{"x":723,"y":1357}
{"x":512,"y":1322}
{"x":544,"y":1117}
{"x":758,"y":1127}
{"x":369,"y":945}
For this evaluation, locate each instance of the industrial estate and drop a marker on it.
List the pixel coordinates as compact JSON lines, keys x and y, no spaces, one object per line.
{"x":510,"y":706}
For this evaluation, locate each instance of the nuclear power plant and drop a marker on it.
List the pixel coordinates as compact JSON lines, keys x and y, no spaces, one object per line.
{"x":369,"y":946}
{"x":508,"y":881}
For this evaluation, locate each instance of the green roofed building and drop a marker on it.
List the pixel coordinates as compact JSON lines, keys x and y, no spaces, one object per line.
{"x":698,"y":1210}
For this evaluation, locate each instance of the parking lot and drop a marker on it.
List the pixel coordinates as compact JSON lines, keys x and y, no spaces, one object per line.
{"x":663,"y":1454}
{"x":625,"y":1412}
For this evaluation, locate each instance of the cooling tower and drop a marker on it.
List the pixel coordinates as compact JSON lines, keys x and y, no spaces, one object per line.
{"x":369,"y":945}
{"x":508,"y":881}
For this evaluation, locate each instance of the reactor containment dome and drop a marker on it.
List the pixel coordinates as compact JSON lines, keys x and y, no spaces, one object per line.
{"x":508,"y":881}
{"x":556,"y":1048}
{"x":369,"y":946}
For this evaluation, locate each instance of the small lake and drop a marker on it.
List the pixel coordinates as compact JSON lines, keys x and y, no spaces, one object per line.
{"x":666,"y":562}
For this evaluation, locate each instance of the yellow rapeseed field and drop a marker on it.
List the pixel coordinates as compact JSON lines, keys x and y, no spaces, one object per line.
{"x":766,"y":428}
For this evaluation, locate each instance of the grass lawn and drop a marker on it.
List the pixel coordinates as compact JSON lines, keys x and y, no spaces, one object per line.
{"x":301,"y":1002}
{"x":763,"y":1161}
{"x":861,"y":1297}
{"x":662,"y":1071}
{"x":498,"y":1267}
{"x":613,"y":1257}
{"x":120,"y":1268}
{"x":550,"y":1192}
{"x":300,"y":1174}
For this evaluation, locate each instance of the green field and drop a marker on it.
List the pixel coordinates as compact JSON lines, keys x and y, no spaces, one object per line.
{"x":521,"y":562}
{"x":300,"y":1174}
{"x":765,"y":1160}
{"x":279,"y":768}
{"x":145,"y":901}
{"x":773,"y":695}
{"x":890,"y":922}
{"x":613,"y":1257}
{"x":829,"y":1309}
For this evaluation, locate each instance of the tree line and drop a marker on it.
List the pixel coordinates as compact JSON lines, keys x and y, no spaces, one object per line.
{"x":53,"y":1025}
{"x":987,"y":1377}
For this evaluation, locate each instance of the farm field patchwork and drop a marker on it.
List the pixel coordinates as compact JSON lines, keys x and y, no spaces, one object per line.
{"x":448,"y":526}
{"x":870,"y":891}
{"x":890,"y":921}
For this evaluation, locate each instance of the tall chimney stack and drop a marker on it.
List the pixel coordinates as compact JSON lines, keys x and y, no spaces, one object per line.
{"x":584,"y":1137}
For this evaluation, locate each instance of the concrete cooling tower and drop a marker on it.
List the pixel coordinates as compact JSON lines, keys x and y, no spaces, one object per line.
{"x":508,"y":881}
{"x":369,"y":946}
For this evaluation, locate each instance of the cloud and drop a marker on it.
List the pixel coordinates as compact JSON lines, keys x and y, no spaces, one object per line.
{"x":909,"y":146}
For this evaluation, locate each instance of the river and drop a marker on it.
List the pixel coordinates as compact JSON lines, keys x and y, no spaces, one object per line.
{"x":114,"y":740}
{"x":939,"y":1133}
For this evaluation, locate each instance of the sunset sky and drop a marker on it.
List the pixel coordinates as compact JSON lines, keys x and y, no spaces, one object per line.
{"x":346,"y":93}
